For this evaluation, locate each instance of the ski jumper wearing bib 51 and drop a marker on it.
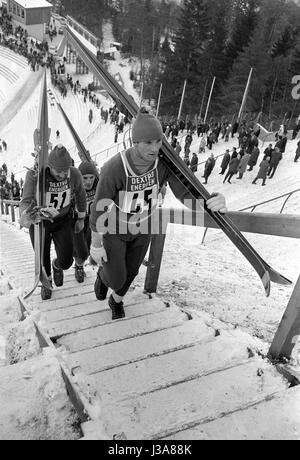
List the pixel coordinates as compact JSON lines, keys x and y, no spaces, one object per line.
{"x":59,"y":195}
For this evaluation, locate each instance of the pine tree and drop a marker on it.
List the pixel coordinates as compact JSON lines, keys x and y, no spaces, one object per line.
{"x":186,"y":61}
{"x":241,"y":24}
{"x":254,"y":55}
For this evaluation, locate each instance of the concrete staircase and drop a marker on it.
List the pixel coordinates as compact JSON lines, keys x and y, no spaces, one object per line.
{"x":162,"y":372}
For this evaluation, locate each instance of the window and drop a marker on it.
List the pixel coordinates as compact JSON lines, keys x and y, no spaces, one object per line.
{"x":14,"y":8}
{"x":18,"y":10}
{"x":22,"y":13}
{"x":9,"y":7}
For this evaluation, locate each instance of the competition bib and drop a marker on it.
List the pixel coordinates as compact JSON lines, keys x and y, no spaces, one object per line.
{"x":58,"y":194}
{"x":90,"y":196}
{"x":141,"y":193}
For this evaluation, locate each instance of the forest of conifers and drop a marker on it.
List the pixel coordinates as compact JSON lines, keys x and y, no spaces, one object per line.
{"x":196,"y":40}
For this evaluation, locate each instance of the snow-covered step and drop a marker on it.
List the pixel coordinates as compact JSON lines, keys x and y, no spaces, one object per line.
{"x":158,"y":372}
{"x":138,"y":348}
{"x":121,"y":330}
{"x":161,"y":413}
{"x":276,"y":418}
{"x":83,"y":321}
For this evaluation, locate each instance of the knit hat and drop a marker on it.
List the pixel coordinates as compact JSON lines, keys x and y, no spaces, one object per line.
{"x":146,"y":128}
{"x":59,"y":158}
{"x":86,"y":167}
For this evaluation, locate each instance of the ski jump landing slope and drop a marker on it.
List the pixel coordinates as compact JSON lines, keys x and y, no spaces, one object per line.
{"x":160,"y":373}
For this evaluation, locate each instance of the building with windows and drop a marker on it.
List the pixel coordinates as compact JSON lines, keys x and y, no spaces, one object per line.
{"x":31,"y":15}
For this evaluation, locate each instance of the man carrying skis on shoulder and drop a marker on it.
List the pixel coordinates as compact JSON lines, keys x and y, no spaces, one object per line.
{"x":63,"y":187}
{"x":82,"y":240}
{"x":126,"y":197}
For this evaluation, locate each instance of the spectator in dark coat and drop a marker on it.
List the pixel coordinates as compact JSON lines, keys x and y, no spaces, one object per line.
{"x":253,"y":158}
{"x":281,"y":143}
{"x":225,"y":162}
{"x":274,"y":162}
{"x":194,"y":163}
{"x":243,"y":165}
{"x":233,"y":168}
{"x":234,"y":153}
{"x":297,"y":153}
{"x":263,"y":170}
{"x":210,"y":140}
{"x":253,"y":142}
{"x":209,"y":166}
{"x":268,"y":151}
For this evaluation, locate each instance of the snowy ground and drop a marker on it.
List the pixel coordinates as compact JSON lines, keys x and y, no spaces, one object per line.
{"x":213,"y":277}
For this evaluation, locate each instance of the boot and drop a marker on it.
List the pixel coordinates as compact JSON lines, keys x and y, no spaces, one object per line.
{"x":46,"y":293}
{"x":79,"y":273}
{"x":58,"y":274}
{"x":116,"y":308}
{"x":100,"y":288}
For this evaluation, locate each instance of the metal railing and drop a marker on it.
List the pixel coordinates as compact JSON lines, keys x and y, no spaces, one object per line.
{"x":287,"y":195}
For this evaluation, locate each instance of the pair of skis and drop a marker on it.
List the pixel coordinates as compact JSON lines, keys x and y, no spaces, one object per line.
{"x":177,"y":167}
{"x":41,"y":141}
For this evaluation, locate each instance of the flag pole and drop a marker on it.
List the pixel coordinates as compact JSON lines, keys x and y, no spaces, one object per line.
{"x":209,"y":99}
{"x":181,"y":103}
{"x":159,"y":97}
{"x":203,"y":97}
{"x":141,"y":95}
{"x":245,"y":95}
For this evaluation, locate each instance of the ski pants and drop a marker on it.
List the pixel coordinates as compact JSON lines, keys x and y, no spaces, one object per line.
{"x":82,"y":242}
{"x":60,"y":232}
{"x":125,"y":254}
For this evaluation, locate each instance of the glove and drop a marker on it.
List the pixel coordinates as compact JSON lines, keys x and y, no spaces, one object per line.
{"x":98,"y":254}
{"x":48,"y":213}
{"x":30,"y":216}
{"x":79,"y":226}
{"x":217,"y":203}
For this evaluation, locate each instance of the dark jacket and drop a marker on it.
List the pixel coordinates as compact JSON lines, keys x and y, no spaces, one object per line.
{"x":194,"y":163}
{"x":263,"y":169}
{"x":225,"y":161}
{"x":281,"y":144}
{"x":209,"y":166}
{"x":243,"y":163}
{"x":234,"y":165}
{"x":275,"y":158}
{"x":254,"y":157}
{"x":268,"y":152}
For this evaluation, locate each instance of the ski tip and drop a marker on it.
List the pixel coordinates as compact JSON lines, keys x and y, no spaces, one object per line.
{"x":266,"y":280}
{"x":278,"y":278}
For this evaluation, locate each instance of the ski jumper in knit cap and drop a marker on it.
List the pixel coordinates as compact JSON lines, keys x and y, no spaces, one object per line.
{"x":130,"y":198}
